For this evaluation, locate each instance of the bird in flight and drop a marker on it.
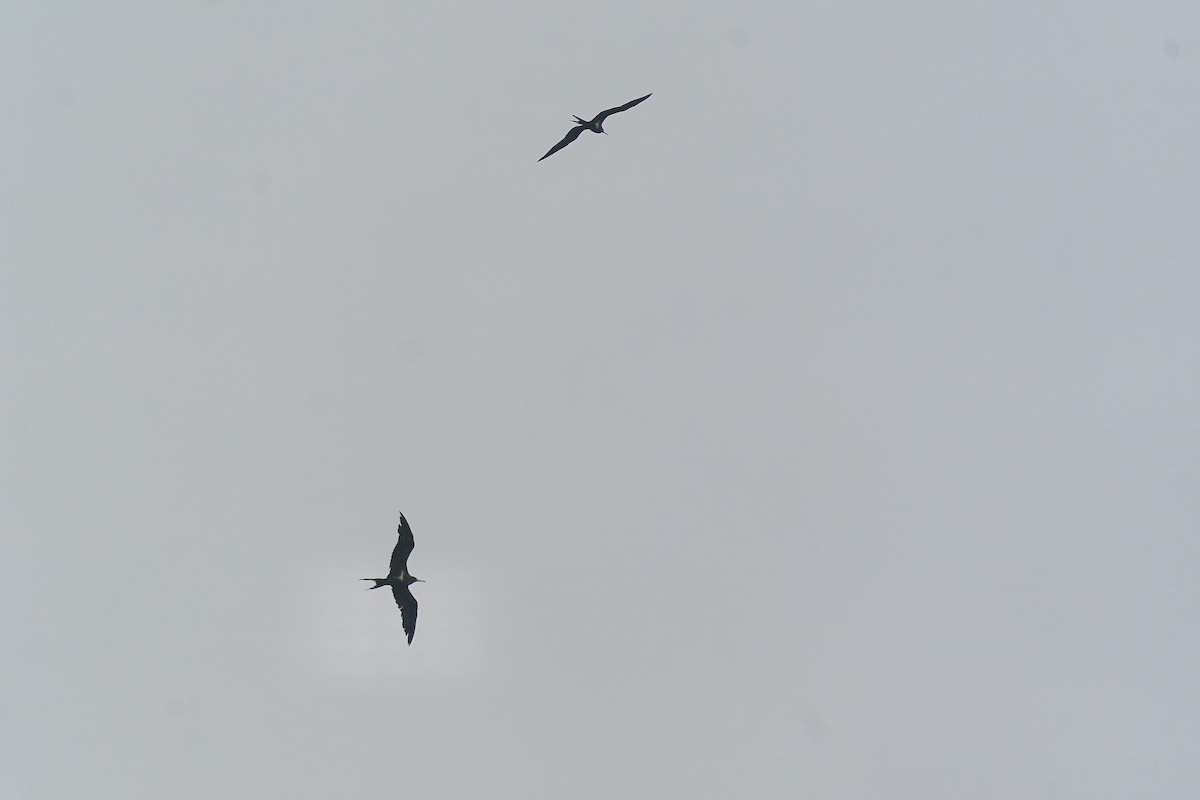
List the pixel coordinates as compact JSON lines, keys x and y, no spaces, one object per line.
{"x":399,"y":578}
{"x":595,"y":125}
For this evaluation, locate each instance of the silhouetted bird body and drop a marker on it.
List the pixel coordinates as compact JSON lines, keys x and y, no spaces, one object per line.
{"x":399,"y":578}
{"x":595,"y":125}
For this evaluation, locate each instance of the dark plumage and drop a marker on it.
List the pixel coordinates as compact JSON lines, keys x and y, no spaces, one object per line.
{"x":399,"y":578}
{"x":595,"y":125}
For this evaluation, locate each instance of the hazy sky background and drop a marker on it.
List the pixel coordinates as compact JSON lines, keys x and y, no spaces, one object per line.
{"x":828,"y":430}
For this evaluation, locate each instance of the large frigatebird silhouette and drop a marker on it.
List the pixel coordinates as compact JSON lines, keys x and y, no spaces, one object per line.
{"x":595,"y":125}
{"x":399,"y":578}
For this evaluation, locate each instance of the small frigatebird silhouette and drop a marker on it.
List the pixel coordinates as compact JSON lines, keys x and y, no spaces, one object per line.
{"x":399,"y":578}
{"x":595,"y":125}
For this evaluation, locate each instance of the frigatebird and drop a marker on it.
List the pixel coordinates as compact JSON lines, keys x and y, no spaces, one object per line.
{"x":399,"y":578}
{"x":595,"y":125}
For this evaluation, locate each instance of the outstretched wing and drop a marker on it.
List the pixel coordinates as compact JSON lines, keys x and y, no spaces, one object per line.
{"x":408,"y":609}
{"x":604,"y":114}
{"x":403,"y":548}
{"x":571,"y":136}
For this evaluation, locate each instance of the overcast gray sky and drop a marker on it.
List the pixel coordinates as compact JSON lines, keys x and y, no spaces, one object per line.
{"x":827,"y":430}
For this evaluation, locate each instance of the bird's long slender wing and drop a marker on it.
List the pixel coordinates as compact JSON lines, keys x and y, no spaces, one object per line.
{"x":571,"y":136}
{"x":603,"y":115}
{"x":404,"y":547}
{"x":408,"y":609}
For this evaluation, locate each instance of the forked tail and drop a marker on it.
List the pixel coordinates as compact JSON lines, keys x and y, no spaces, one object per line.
{"x":378,"y":582}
